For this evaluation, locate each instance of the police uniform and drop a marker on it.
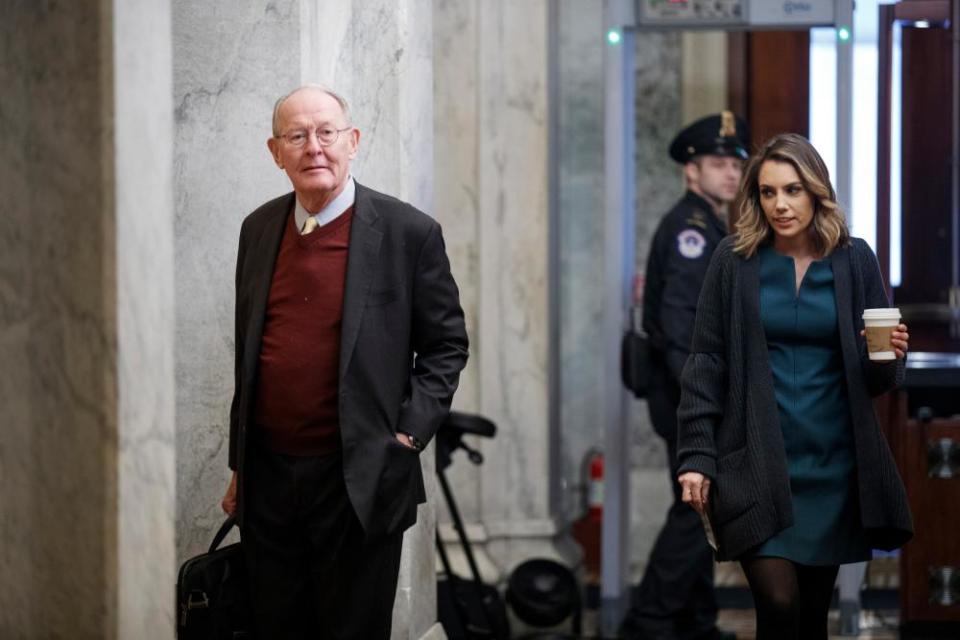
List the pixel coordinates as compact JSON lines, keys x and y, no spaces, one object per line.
{"x":675,"y":599}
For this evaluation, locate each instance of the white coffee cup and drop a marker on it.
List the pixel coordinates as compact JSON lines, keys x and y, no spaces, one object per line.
{"x":879,"y":325}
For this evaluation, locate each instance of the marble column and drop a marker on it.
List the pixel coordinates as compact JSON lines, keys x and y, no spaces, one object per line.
{"x":491,"y":93}
{"x":226,"y":78}
{"x":232,"y":61}
{"x":513,"y":315}
{"x":86,"y":289}
{"x":456,"y":160}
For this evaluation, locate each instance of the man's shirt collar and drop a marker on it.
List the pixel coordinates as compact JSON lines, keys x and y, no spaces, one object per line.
{"x":332,"y":211}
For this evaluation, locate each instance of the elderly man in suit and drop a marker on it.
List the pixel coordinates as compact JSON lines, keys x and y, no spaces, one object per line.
{"x":350,"y":340}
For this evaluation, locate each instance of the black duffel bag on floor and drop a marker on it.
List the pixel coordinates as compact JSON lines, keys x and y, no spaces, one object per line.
{"x":212,"y":601}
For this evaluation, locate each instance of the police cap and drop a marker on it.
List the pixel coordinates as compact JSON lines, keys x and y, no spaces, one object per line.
{"x":722,"y":134}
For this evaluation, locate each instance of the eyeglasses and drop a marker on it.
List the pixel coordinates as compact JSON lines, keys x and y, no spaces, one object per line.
{"x":325,"y":135}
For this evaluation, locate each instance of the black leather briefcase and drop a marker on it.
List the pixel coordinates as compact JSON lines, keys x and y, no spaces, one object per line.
{"x":212,"y":601}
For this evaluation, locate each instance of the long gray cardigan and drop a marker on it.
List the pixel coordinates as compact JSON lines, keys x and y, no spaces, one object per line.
{"x":729,"y":427}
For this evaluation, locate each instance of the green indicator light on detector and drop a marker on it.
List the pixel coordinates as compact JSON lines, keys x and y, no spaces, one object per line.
{"x":613,"y":36}
{"x":843,"y":34}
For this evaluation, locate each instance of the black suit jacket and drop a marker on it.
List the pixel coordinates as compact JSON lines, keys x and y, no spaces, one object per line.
{"x":403,"y":344}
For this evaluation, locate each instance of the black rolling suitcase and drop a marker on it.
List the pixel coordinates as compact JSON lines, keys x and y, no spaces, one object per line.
{"x":212,"y":601}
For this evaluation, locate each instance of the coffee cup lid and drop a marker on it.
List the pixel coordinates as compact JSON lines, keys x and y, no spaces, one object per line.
{"x":892,"y":313}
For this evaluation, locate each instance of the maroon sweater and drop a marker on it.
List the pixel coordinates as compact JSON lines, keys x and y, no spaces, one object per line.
{"x":298,"y":381}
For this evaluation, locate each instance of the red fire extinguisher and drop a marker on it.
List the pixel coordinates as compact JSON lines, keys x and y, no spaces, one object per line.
{"x":595,"y":488}
{"x":587,"y":530}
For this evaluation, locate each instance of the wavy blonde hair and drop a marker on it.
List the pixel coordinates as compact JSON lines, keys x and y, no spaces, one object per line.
{"x":828,"y":230}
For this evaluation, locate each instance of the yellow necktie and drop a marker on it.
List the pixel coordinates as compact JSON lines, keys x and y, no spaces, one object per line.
{"x":309,"y":225}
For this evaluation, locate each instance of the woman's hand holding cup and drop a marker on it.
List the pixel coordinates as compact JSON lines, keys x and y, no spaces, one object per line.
{"x":900,"y":339}
{"x":887,"y":337}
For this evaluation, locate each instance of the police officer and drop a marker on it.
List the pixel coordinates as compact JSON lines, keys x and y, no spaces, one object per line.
{"x":675,"y":599}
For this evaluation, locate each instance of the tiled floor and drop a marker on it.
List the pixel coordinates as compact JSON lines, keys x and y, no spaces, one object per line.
{"x":741,"y":622}
{"x":882,"y":573}
{"x":872,"y":625}
{"x":875,"y":624}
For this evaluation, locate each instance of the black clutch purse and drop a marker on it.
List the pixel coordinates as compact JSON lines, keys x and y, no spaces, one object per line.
{"x":212,"y":600}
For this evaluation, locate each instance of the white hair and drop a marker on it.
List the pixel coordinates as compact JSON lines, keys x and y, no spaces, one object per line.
{"x":319,"y":87}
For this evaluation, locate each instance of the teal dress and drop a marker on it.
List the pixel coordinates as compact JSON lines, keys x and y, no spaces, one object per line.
{"x":803,"y":343}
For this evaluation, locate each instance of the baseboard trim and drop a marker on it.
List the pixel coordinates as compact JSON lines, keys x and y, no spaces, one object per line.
{"x":435,"y":632}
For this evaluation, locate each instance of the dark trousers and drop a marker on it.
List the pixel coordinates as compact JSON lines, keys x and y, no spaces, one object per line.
{"x":675,"y":598}
{"x":312,"y":572}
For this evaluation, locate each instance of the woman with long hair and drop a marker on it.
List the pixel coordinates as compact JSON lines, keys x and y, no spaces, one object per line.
{"x":778,"y":441}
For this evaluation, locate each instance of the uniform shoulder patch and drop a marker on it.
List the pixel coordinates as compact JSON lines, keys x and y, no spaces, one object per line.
{"x":691,"y":243}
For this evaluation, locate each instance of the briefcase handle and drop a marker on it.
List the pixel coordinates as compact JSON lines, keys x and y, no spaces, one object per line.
{"x":222,"y":533}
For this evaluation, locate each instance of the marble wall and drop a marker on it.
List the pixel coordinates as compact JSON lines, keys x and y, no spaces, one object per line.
{"x":58,"y":389}
{"x":512,"y":239}
{"x":144,"y":280}
{"x":491,"y":154}
{"x":86,"y":332}
{"x":225,"y":81}
{"x":659,"y":179}
{"x":456,"y":196}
